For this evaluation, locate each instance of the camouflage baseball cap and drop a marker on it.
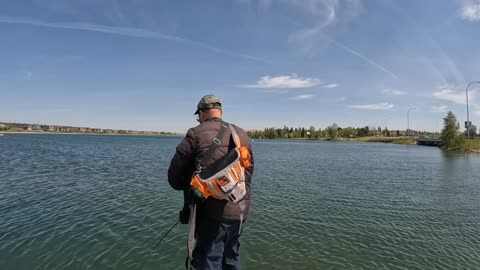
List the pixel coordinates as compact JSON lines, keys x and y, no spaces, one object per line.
{"x":208,"y":102}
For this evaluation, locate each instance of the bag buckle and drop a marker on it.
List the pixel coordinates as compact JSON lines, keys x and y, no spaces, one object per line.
{"x":217,"y":141}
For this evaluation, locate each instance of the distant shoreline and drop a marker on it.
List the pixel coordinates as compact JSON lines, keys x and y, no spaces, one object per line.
{"x":79,"y":133}
{"x":473,"y":145}
{"x":394,"y":140}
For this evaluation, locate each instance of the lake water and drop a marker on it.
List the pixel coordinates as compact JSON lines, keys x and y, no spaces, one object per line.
{"x":102,"y":202}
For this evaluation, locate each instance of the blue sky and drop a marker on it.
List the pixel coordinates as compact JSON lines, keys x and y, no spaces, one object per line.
{"x":145,"y":64}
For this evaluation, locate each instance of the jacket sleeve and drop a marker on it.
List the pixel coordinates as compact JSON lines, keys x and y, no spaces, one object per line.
{"x":182,"y":162}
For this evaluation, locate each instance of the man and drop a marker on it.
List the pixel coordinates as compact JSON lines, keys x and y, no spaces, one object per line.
{"x":219,"y":222}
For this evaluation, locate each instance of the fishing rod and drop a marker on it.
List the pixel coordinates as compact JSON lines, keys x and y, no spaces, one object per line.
{"x":165,"y":235}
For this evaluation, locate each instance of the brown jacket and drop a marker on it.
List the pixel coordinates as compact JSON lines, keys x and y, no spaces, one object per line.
{"x":191,"y":151}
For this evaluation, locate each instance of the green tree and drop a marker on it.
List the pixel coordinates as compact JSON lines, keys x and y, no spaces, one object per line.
{"x":311,"y":132}
{"x":270,"y":133}
{"x":332,"y":132}
{"x":451,"y":137}
{"x":349,"y":132}
{"x":473,"y":131}
{"x":362,"y":132}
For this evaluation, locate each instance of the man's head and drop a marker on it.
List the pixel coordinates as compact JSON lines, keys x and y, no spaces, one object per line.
{"x":209,"y":106}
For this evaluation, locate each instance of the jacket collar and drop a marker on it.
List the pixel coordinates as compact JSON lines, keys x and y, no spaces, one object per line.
{"x":213,"y":119}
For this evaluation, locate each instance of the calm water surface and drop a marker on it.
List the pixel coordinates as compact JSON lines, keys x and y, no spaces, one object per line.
{"x":102,"y":202}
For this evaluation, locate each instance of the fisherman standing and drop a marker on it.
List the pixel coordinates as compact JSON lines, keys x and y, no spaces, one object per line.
{"x":213,"y":165}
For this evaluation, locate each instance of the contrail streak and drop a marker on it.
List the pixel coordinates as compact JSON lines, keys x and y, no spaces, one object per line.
{"x":366,"y":59}
{"x":123,"y":31}
{"x":344,"y":47}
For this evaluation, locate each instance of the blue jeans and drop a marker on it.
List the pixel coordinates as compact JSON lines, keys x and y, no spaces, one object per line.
{"x":218,"y":245}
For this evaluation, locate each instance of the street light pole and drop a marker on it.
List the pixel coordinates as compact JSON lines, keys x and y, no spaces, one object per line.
{"x":468,"y":116}
{"x":408,"y":120}
{"x":386,"y":123}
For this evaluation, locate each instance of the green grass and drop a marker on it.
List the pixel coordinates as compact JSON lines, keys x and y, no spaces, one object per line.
{"x":472,"y":145}
{"x":396,"y":140}
{"x":404,"y":141}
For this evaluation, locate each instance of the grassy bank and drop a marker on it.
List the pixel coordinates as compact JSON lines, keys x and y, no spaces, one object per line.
{"x":469,"y":146}
{"x":396,"y":140}
{"x":472,"y":145}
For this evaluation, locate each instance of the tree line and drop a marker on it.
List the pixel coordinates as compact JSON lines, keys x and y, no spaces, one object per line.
{"x":332,"y":132}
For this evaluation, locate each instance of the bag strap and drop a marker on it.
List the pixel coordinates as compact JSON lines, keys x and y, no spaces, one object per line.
{"x":215,"y":143}
{"x":236,"y":139}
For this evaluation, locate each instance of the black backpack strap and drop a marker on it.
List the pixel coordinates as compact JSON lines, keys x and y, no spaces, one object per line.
{"x":215,"y":143}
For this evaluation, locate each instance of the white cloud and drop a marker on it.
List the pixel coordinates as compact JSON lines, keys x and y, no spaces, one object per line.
{"x":325,"y":13}
{"x":287,"y":81}
{"x":476,"y":109}
{"x":440,"y":108}
{"x":470,"y":10}
{"x":393,"y":92}
{"x":376,"y":106}
{"x":301,"y":97}
{"x":276,"y":91}
{"x":458,"y":97}
{"x":332,"y":100}
{"x":332,"y":85}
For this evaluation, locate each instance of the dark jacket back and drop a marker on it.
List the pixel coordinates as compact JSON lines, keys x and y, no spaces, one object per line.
{"x":192,"y":150}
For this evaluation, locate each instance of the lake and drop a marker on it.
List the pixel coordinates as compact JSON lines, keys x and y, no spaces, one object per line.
{"x":102,"y":202}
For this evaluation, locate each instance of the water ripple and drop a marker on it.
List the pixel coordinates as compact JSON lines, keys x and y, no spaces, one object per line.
{"x":95,"y":202}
